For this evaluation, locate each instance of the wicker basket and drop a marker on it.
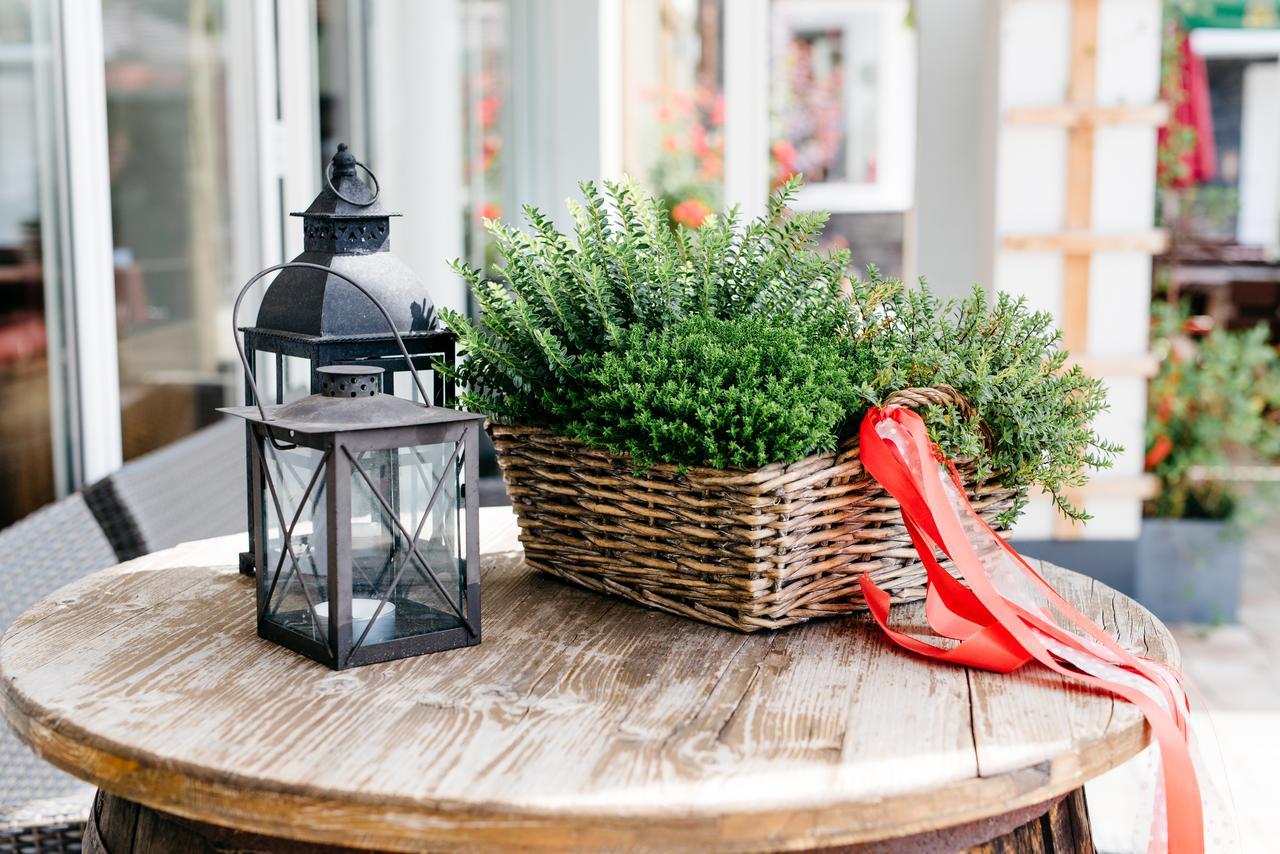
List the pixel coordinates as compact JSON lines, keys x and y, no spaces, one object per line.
{"x":747,"y":550}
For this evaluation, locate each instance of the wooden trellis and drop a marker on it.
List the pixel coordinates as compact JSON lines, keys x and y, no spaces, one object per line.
{"x":1078,"y":242}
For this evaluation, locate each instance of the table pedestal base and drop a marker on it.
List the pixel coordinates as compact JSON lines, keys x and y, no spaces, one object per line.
{"x":119,"y":826}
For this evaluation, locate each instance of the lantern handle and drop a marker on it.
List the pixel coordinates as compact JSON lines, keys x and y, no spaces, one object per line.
{"x":244,"y":359}
{"x":328,"y":180}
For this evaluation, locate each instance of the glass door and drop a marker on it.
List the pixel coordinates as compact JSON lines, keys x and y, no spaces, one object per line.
{"x":166,"y":81}
{"x":674,"y":107}
{"x":35,"y":465}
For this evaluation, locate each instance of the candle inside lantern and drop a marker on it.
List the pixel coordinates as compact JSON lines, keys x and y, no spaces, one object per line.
{"x":362,"y":611}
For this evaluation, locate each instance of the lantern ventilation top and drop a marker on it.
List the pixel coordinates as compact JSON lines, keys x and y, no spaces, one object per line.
{"x":349,"y":380}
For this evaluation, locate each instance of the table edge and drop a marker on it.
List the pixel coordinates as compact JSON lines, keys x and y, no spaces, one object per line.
{"x":454,"y":824}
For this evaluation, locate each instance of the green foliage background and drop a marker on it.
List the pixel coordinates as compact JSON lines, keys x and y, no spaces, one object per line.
{"x":740,"y":344}
{"x":1213,"y":402}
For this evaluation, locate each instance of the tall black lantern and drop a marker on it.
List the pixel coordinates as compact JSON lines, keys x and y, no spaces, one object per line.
{"x":310,"y":314}
{"x":364,"y":513}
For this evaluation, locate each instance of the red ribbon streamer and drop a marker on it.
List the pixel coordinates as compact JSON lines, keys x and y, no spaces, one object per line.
{"x":997,"y":633}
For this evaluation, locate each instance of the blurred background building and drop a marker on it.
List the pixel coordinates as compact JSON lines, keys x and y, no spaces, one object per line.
{"x":151,"y":150}
{"x":1098,"y":157}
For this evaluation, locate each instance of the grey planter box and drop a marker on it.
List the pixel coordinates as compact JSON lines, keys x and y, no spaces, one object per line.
{"x":1189,"y":570}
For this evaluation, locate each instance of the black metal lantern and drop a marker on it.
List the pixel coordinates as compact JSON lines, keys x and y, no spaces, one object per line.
{"x":365,"y":514}
{"x":310,"y":314}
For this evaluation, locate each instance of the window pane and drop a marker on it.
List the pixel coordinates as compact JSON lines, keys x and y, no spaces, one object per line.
{"x":824,"y":95}
{"x":841,"y":98}
{"x":342,"y":75}
{"x":674,"y":103}
{"x":166,"y":124}
{"x":28,"y":261}
{"x":485,"y":86}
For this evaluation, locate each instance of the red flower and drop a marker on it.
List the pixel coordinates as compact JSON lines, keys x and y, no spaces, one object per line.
{"x":784,"y":174}
{"x":1160,"y":450}
{"x":698,"y":140}
{"x":671,"y":145}
{"x":691,"y":212}
{"x":491,"y":210}
{"x":712,"y":167}
{"x":488,"y":109}
{"x":717,"y":111}
{"x":785,"y":153}
{"x":489,"y":148}
{"x":1199,"y":324}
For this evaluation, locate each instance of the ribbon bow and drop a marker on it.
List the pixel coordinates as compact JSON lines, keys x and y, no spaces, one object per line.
{"x":1009,"y":615}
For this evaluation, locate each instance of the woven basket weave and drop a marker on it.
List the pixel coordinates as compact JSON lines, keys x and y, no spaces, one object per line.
{"x":748,"y":550}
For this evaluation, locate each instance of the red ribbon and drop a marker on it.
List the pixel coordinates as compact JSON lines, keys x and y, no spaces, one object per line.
{"x":1003,"y":629}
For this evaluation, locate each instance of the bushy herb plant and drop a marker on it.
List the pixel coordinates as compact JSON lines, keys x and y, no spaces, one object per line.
{"x":736,"y":393}
{"x":1035,"y":414}
{"x":1214,"y":402}
{"x":559,"y":299}
{"x":740,"y":344}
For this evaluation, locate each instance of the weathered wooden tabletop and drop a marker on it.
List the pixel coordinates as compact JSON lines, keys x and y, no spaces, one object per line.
{"x":579,"y":722}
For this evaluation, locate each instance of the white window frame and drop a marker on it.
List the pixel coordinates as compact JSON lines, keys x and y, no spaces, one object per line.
{"x":274,"y":164}
{"x":748,"y":27}
{"x":1259,"y":216}
{"x":89,"y":295}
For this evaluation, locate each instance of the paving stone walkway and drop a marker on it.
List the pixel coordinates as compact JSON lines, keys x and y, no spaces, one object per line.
{"x":1235,"y":674}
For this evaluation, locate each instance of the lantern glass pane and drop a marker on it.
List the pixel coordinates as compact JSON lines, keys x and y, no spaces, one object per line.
{"x":281,"y":379}
{"x":297,"y":378}
{"x":296,"y":541}
{"x":415,"y":562}
{"x":400,"y":383}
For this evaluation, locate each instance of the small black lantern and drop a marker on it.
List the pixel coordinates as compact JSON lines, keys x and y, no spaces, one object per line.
{"x":309,"y":313}
{"x":365,"y":510}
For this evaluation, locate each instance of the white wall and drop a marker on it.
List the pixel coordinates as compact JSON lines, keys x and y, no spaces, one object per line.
{"x":955,"y":154}
{"x":1259,"y":223}
{"x":416,"y":86}
{"x":1030,"y":197}
{"x":554,"y":117}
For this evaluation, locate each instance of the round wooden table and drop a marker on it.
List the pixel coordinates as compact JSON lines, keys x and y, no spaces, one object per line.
{"x":581,"y":722}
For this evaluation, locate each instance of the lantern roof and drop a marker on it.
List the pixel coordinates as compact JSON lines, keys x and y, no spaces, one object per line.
{"x":350,"y":400}
{"x":345,"y":194}
{"x":347,"y":230}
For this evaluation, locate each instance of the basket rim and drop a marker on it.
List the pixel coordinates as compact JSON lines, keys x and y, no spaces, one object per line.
{"x":912,"y":398}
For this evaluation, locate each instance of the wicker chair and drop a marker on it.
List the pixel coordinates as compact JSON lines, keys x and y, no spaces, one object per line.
{"x":185,"y":491}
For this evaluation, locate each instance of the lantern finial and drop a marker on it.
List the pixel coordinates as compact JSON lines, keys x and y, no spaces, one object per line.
{"x":344,"y":162}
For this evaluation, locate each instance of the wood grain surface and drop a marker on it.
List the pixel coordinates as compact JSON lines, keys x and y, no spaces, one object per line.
{"x":581,"y":722}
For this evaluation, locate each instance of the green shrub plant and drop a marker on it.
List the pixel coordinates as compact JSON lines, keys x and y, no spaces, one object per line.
{"x":1214,"y":404}
{"x":739,"y":344}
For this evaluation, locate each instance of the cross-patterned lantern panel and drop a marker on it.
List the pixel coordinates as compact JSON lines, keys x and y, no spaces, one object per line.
{"x":368,"y":539}
{"x":286,"y":366}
